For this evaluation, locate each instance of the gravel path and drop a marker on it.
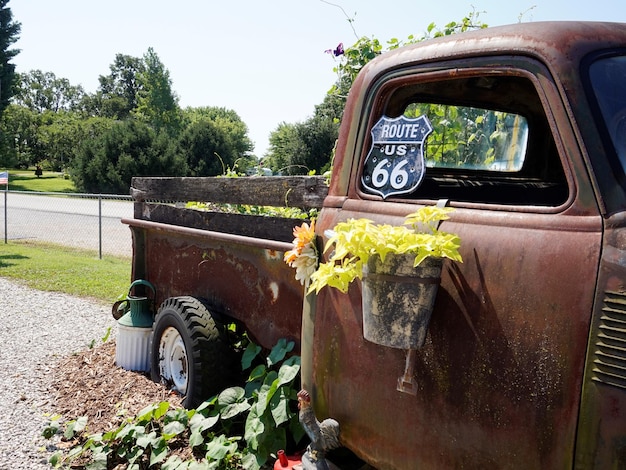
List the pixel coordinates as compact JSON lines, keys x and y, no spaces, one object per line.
{"x":36,"y":329}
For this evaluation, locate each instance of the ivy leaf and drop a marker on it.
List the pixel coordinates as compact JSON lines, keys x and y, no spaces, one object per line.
{"x":230,"y":411}
{"x":252,"y":351}
{"x":249,"y":461}
{"x":289,"y":370}
{"x":231,"y":395}
{"x":232,"y":402}
{"x":55,"y":459}
{"x":196,"y":438}
{"x":296,"y":429}
{"x":75,"y":427}
{"x":146,"y":440}
{"x":173,"y":428}
{"x":279,"y":351}
{"x":257,"y":373}
{"x":201,"y":423}
{"x":158,"y":455}
{"x":220,"y":447}
{"x":98,"y":460}
{"x":279,"y":406}
{"x":173,"y":463}
{"x":254,"y":428}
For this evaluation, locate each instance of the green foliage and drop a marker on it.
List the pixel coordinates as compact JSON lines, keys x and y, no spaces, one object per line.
{"x":249,"y":209}
{"x":54,"y":123}
{"x":117,"y":95}
{"x":356,"y":240}
{"x":205,"y":149}
{"x":157,"y":104}
{"x":43,"y":91}
{"x":240,"y":428}
{"x":467,"y":136}
{"x":214,"y":142}
{"x":229,"y":124}
{"x":300,"y":147}
{"x":19,"y":128}
{"x":297,"y":149}
{"x":9,"y":34}
{"x":130,"y":148}
{"x":365,"y":49}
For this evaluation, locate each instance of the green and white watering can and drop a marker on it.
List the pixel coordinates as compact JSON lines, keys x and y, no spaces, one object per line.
{"x":136,"y":311}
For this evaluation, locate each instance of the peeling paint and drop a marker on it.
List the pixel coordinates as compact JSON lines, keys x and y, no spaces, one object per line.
{"x":274,"y":291}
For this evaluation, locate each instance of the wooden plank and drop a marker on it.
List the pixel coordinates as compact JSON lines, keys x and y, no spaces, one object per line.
{"x":277,"y":191}
{"x":270,"y":228}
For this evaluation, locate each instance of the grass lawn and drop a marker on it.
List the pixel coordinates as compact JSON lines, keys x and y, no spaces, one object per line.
{"x":50,"y":267}
{"x":50,"y":181}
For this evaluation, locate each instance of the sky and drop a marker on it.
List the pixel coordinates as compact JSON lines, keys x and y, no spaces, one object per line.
{"x":263,"y":59}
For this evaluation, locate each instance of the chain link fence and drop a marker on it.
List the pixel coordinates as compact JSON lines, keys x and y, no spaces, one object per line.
{"x":86,"y":221}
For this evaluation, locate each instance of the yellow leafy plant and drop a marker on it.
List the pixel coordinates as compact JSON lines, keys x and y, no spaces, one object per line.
{"x":356,"y":240}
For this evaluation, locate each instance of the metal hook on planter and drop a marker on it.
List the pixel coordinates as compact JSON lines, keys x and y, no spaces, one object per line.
{"x":406,"y":382}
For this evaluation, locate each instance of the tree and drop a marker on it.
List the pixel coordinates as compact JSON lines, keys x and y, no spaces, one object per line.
{"x":19,"y":130}
{"x":214,"y":141}
{"x":156,"y":102}
{"x":297,"y":149}
{"x":283,"y":145}
{"x":308,"y":146}
{"x":9,"y":33}
{"x":229,"y":122}
{"x":61,"y":135}
{"x":205,"y":149}
{"x":107,"y":163}
{"x":117,"y":95}
{"x":43,"y":91}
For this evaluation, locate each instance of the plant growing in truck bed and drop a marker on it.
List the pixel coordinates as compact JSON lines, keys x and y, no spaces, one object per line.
{"x":240,"y":428}
{"x":249,"y":209}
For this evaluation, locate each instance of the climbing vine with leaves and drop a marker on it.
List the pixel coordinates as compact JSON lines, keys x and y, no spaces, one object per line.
{"x":240,"y":428}
{"x":354,"y":58}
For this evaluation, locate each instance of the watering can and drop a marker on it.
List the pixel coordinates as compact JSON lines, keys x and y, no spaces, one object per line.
{"x":136,"y":311}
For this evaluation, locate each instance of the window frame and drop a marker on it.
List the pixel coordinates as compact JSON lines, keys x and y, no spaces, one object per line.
{"x":380,"y":92}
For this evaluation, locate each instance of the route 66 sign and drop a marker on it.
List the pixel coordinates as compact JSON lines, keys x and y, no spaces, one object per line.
{"x":395,"y":163}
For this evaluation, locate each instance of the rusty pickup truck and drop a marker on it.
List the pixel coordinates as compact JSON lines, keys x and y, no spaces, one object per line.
{"x":520,"y":129}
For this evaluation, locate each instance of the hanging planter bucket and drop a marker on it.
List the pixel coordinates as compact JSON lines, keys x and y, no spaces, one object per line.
{"x":398,"y":299}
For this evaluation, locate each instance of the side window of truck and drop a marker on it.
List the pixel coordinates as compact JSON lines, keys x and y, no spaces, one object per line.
{"x":608,"y":76}
{"x":489,"y":141}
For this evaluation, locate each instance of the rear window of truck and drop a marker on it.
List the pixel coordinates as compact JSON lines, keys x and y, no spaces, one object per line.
{"x":485,"y":139}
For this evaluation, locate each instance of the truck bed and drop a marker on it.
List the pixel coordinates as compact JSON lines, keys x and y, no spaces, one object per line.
{"x":234,"y":262}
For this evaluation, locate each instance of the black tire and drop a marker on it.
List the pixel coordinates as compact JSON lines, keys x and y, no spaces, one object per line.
{"x":189,"y":351}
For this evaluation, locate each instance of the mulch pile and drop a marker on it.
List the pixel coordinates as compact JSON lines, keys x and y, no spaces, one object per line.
{"x":90,"y":384}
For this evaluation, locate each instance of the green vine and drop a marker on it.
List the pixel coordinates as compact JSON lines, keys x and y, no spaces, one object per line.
{"x":240,"y":428}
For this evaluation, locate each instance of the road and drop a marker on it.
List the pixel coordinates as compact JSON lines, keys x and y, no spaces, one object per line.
{"x":67,"y":220}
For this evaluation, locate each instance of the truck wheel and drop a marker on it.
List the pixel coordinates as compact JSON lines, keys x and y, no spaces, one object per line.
{"x":189,"y":351}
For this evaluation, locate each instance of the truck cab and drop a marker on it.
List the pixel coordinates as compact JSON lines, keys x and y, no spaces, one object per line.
{"x":524,"y":365}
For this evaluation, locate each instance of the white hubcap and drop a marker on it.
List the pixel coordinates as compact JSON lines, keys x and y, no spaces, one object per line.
{"x":173,"y":363}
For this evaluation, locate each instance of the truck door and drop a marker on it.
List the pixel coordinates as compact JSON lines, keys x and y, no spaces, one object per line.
{"x":498,"y":382}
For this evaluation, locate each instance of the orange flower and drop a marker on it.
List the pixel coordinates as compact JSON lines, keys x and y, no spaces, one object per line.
{"x":290,"y":256}
{"x":304,"y":234}
{"x":303,"y":256}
